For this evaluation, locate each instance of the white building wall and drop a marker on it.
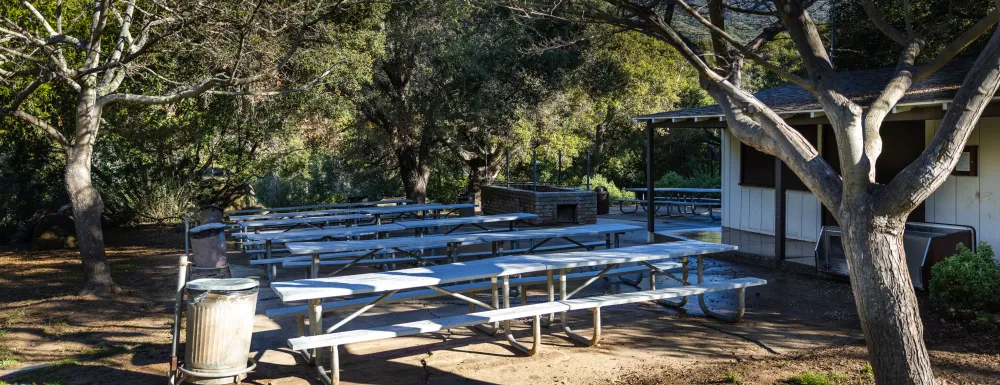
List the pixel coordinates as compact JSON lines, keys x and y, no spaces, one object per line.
{"x":752,"y":208}
{"x":972,"y":200}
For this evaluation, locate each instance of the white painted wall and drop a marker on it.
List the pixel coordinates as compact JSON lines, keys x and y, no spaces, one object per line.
{"x":972,"y":200}
{"x":963,"y":200}
{"x":752,"y":208}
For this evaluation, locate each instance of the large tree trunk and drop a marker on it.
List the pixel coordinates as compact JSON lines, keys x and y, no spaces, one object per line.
{"x":597,"y":156}
{"x":86,"y":200}
{"x":886,"y":302}
{"x":414,"y":174}
{"x":480,"y":175}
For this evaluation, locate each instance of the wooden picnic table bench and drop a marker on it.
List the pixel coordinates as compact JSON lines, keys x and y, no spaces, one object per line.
{"x":317,"y":207}
{"x":391,"y":285}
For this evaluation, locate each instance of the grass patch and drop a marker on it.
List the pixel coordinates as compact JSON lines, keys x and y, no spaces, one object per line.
{"x":7,"y":363}
{"x":816,"y":378}
{"x":732,"y":378}
{"x":7,"y":357}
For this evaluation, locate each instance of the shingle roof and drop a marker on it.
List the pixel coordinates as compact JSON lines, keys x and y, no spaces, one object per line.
{"x":861,"y":86}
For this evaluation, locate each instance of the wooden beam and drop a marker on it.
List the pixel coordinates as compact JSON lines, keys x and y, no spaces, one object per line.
{"x":779,"y":212}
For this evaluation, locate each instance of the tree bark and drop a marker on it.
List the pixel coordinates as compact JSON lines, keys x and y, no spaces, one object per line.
{"x":86,"y":200}
{"x":414,"y":174}
{"x":597,"y":156}
{"x":883,"y":292}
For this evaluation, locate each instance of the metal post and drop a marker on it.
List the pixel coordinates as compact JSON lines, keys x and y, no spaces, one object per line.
{"x":534,"y":169}
{"x":650,"y":208}
{"x":779,"y":212}
{"x":588,"y":170}
{"x":178,"y":300}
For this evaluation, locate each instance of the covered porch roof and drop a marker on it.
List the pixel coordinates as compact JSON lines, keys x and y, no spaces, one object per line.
{"x":927,"y":99}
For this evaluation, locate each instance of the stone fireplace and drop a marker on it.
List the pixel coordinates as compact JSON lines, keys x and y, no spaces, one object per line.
{"x":554,"y":205}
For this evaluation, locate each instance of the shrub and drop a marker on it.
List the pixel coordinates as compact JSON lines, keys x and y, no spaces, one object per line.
{"x":673,"y":179}
{"x":613,"y":191}
{"x":968,"y":281}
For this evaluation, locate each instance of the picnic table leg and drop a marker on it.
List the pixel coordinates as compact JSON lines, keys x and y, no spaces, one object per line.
{"x":596,"y":312}
{"x":740,"y":301}
{"x":271,"y":269}
{"x":315,"y":322}
{"x":535,"y":325}
{"x":314,"y":268}
{"x":684,"y":281}
{"x":551,"y":296}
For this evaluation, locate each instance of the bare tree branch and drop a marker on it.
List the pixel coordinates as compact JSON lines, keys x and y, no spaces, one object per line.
{"x":745,"y":51}
{"x":919,"y":179}
{"x":891,"y":94}
{"x":883,"y":25}
{"x":959,"y":44}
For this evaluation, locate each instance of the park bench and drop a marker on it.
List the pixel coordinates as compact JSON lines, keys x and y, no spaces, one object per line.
{"x":391,"y":283}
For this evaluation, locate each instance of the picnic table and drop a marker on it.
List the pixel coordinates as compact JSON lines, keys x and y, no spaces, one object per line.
{"x":435,"y":209}
{"x":325,"y":206}
{"x":412,"y":247}
{"x":388,"y":286}
{"x":679,"y":198}
{"x":307,"y":221}
{"x":457,"y":223}
{"x":408,"y":246}
{"x":292,"y":214}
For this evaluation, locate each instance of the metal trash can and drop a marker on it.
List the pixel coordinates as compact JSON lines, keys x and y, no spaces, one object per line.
{"x":467,"y":198}
{"x":208,"y":246}
{"x":220,"y":315}
{"x":603,"y":200}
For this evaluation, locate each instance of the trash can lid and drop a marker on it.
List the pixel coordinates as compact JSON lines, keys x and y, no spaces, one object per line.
{"x":222,"y":284}
{"x":208,"y":226}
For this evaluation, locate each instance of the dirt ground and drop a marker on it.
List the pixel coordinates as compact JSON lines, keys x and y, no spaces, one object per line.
{"x":797,"y":326}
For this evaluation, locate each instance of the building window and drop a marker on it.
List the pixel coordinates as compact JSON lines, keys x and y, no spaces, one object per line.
{"x":757,"y":168}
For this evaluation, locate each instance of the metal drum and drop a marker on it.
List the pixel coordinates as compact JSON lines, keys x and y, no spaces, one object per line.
{"x":220,"y":316}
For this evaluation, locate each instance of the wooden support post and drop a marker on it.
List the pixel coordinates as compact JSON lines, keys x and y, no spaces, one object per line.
{"x":779,"y":212}
{"x":650,"y":208}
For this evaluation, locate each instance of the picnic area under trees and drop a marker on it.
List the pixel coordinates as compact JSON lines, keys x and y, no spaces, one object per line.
{"x":459,"y":163}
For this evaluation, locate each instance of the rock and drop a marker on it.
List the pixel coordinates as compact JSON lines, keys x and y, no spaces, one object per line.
{"x":54,"y":232}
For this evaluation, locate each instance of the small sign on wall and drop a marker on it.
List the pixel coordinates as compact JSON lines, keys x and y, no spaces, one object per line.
{"x":968,"y":162}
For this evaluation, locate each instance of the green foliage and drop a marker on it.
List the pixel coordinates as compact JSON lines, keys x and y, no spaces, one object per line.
{"x":672,"y":179}
{"x":968,"y":281}
{"x":732,"y":378}
{"x":614,"y":191}
{"x":816,"y":378}
{"x":938,"y":22}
